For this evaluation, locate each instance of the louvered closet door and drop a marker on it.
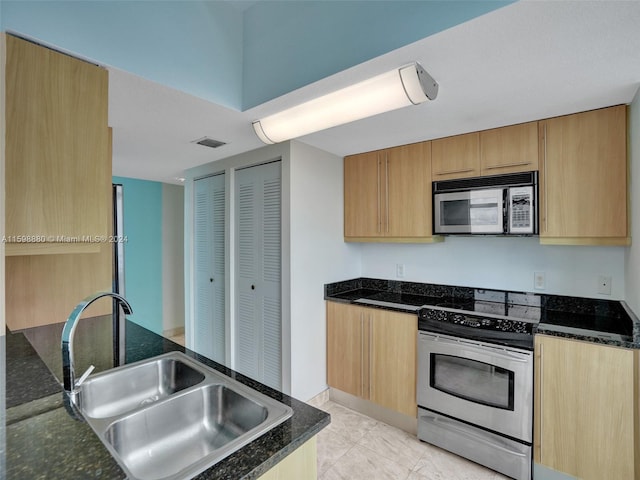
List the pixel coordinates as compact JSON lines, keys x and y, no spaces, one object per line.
{"x":258,"y":326}
{"x":210,"y":329}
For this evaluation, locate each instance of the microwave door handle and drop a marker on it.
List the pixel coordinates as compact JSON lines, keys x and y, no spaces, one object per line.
{"x":506,"y":214}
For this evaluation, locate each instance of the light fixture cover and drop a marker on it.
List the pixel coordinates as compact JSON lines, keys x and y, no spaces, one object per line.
{"x":408,"y":85}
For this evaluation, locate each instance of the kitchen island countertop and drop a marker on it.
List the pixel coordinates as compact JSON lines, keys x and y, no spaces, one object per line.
{"x":44,"y":441}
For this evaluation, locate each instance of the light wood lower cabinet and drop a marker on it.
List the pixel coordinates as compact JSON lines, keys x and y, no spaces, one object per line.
{"x":301,"y":464}
{"x":587,"y":414}
{"x":371,"y":353}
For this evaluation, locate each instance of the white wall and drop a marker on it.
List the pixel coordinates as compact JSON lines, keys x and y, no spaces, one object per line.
{"x":500,"y":263}
{"x":318,"y":256}
{"x":172,"y":257}
{"x":632,"y":295}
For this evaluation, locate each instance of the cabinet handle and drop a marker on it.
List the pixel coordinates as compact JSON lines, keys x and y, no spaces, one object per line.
{"x":544,"y":176}
{"x":379,"y":199}
{"x":386,"y":176}
{"x":361,"y":354}
{"x":541,"y":390}
{"x":370,"y":353}
{"x":517,"y":164}
{"x":448,"y":172}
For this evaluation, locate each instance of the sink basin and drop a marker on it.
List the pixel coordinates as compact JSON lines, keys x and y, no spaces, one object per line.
{"x":180,"y":432}
{"x":170,"y":417}
{"x":122,"y":390}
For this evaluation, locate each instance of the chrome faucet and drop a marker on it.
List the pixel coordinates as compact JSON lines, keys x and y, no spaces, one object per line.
{"x":68,"y":372}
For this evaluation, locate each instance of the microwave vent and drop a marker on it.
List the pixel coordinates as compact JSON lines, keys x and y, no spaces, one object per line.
{"x":506,"y":180}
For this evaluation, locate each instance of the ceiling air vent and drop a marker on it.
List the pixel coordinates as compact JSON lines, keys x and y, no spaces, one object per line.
{"x":209,"y":142}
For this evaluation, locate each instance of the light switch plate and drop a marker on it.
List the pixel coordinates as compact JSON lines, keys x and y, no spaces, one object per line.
{"x":400,"y":270}
{"x":539,"y":280}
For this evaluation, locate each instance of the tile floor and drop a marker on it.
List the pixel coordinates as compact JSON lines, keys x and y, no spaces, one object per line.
{"x":357,"y":447}
{"x":179,"y":339}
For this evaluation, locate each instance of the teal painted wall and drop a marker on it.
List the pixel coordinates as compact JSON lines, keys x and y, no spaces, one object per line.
{"x":143,"y":250}
{"x":215,"y":51}
{"x":289,"y":44}
{"x":194,"y":46}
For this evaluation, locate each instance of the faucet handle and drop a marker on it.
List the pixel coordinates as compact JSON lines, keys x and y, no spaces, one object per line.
{"x":85,"y":375}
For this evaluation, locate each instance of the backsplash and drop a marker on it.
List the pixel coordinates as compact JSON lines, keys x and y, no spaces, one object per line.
{"x":500,"y":263}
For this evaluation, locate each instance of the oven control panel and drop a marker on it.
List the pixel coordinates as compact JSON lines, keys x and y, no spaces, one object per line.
{"x":502,"y":331}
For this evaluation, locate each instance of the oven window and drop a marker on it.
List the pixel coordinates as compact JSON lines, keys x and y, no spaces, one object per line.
{"x":454,"y":212}
{"x":472,"y":380}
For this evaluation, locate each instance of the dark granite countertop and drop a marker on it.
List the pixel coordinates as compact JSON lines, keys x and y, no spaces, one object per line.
{"x":607,"y":322}
{"x":44,"y":442}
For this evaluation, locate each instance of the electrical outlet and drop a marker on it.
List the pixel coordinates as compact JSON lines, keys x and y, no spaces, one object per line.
{"x":604,"y":284}
{"x":399,"y":270}
{"x":539,"y":280}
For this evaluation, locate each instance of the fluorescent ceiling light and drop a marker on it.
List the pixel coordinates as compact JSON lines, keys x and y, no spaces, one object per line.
{"x":408,"y":85}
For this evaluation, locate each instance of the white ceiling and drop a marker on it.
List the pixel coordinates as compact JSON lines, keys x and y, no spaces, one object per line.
{"x":527,"y":61}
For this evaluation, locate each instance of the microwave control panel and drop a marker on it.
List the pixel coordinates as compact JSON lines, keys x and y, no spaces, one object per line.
{"x":521,"y":210}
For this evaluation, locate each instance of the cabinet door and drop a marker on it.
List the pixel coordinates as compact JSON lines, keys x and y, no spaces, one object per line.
{"x":345,"y":348}
{"x":57,"y":145}
{"x":583,"y":177}
{"x":455,"y":157}
{"x":509,"y":149}
{"x":362,"y":195}
{"x":407,"y":191}
{"x":585,"y":408}
{"x":393,"y":360}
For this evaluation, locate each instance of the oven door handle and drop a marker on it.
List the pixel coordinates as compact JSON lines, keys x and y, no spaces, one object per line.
{"x":450,"y":425}
{"x":483,"y":349}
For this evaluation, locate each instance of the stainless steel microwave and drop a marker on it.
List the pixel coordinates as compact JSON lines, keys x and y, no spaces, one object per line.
{"x":493,"y":205}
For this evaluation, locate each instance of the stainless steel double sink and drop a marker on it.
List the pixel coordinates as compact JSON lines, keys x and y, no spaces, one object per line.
{"x":170,"y":417}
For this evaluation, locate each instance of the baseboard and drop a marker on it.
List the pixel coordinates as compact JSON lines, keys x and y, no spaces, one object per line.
{"x":390,"y":417}
{"x":173,"y":332}
{"x":320,"y":399}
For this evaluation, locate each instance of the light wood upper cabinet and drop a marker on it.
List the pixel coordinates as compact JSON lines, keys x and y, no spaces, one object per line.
{"x":583,"y":178}
{"x":509,"y":149}
{"x":371,"y":353}
{"x":455,"y":157}
{"x":362,"y":195}
{"x":57,"y":184}
{"x":58,"y":167}
{"x":586,"y":409}
{"x":408,"y":191}
{"x":387,"y":195}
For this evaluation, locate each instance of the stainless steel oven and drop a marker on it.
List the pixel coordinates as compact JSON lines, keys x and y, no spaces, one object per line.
{"x":475,"y":387}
